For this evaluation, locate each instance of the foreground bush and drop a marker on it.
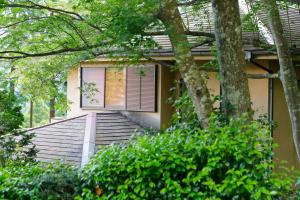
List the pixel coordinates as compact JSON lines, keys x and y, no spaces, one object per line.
{"x":38,"y":181}
{"x":230,"y":162}
{"x":16,"y":148}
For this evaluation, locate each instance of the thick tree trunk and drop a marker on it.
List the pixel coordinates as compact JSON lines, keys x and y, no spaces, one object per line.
{"x":189,"y":71}
{"x":31,"y":114}
{"x":287,"y":73}
{"x":231,"y":57}
{"x":51,"y":109}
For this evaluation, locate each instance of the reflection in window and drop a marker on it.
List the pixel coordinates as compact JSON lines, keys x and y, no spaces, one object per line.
{"x":92,"y":87}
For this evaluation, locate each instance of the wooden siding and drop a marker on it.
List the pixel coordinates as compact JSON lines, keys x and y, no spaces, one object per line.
{"x":60,"y":141}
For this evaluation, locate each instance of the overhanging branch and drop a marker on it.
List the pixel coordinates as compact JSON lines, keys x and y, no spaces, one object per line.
{"x":262,"y":76}
{"x":250,"y":76}
{"x":191,"y":33}
{"x":41,"y":7}
{"x":49,"y":53}
{"x":36,"y":6}
{"x":188,"y":3}
{"x":22,"y":21}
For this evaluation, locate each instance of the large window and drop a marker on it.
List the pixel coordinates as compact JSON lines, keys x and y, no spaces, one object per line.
{"x":131,"y":88}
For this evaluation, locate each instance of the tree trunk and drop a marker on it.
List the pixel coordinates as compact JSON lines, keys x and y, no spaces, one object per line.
{"x":231,"y":57}
{"x":188,"y":69}
{"x":51,"y":109}
{"x":31,"y":114}
{"x":287,"y":72}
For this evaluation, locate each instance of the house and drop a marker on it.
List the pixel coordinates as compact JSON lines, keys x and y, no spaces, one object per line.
{"x":120,"y":100}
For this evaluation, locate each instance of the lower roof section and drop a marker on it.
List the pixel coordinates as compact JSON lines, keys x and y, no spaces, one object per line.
{"x":67,"y":141}
{"x":60,"y":141}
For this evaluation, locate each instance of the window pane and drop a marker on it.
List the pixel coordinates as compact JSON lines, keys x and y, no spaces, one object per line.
{"x":141,"y":83}
{"x":148,"y":88}
{"x":115,"y":88}
{"x":92,"y":87}
{"x":133,"y":88}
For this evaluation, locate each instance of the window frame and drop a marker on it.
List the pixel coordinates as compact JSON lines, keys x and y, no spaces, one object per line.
{"x":155,"y":84}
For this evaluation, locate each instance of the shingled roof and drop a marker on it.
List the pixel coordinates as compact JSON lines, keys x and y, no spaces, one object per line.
{"x":202,"y":20}
{"x":65,"y":140}
{"x":114,"y":128}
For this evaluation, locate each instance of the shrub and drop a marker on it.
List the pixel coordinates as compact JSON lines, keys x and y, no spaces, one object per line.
{"x":17,"y":148}
{"x":185,"y":116}
{"x":39,"y":181}
{"x":229,"y":162}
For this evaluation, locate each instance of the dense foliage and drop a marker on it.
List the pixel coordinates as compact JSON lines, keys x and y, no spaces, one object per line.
{"x":38,"y":181}
{"x":229,"y":162}
{"x":11,"y":116}
{"x":17,"y":148}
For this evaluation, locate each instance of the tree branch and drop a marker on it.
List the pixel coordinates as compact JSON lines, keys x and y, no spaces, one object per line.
{"x":163,"y":63}
{"x":49,"y":53}
{"x":23,"y":21}
{"x":250,"y":76}
{"x":36,"y":6}
{"x":41,"y":7}
{"x":263,"y":76}
{"x":188,"y":3}
{"x":202,"y":43}
{"x":192,"y":33}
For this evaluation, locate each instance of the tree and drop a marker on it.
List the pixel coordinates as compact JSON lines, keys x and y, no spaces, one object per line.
{"x":197,"y":89}
{"x":11,"y":117}
{"x":44,"y":81}
{"x":231,"y":57}
{"x":287,"y":73}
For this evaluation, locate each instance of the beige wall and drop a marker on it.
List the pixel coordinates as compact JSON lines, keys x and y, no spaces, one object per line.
{"x":167,"y":82}
{"x":282,"y":134}
{"x":259,"y":88}
{"x":259,"y":91}
{"x":73,"y":93}
{"x":148,"y":119}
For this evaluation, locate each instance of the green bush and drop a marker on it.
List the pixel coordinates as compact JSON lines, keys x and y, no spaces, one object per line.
{"x":229,"y":162}
{"x":39,"y":181}
{"x":17,"y":148}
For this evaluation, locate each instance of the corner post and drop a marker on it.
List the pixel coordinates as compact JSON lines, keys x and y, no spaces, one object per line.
{"x":88,"y":147}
